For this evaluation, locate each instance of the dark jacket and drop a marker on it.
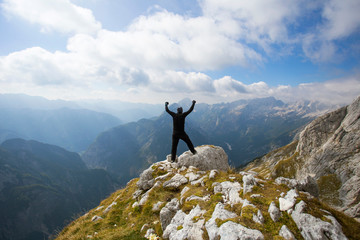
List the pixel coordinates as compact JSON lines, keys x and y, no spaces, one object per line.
{"x":179,"y":119}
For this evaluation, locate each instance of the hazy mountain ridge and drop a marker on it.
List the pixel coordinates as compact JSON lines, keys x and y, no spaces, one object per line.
{"x":42,"y":186}
{"x":125,"y":111}
{"x":245,"y":129}
{"x":73,"y":129}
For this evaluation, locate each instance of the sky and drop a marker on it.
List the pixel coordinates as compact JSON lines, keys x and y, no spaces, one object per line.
{"x":154,"y":51}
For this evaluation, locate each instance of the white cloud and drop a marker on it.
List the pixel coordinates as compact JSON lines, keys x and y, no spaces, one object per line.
{"x":163,"y":54}
{"x":166,"y":40}
{"x":54,"y":15}
{"x":335,"y":91}
{"x":342,"y":18}
{"x":317,"y":49}
{"x":256,"y":21}
{"x":33,"y":66}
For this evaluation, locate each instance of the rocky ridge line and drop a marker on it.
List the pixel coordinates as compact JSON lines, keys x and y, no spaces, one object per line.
{"x":328,"y":150}
{"x":173,"y":201}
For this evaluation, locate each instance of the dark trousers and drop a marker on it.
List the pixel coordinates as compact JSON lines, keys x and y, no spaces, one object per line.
{"x":175,"y":140}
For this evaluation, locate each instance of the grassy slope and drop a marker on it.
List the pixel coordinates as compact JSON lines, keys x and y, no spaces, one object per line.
{"x":125,"y":222}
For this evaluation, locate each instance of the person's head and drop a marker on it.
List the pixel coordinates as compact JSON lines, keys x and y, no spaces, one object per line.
{"x":179,"y":110}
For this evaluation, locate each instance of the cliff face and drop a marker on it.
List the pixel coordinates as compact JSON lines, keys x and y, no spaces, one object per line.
{"x":181,"y":201}
{"x":328,"y":150}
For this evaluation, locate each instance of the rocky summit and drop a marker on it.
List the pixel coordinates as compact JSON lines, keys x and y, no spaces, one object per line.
{"x":211,"y":201}
{"x":325,"y":160}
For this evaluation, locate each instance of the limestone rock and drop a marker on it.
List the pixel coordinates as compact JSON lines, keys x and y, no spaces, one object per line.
{"x":168,"y":212}
{"x":230,"y":191}
{"x":307,"y":184}
{"x":258,"y":218}
{"x":207,"y":158}
{"x":314,"y":228}
{"x":175,"y":182}
{"x":221,"y":213}
{"x":288,"y":201}
{"x":135,"y":204}
{"x":328,"y":151}
{"x":192,"y":176}
{"x":354,"y":211}
{"x":109,"y":207}
{"x":249,"y":182}
{"x":274,"y":212}
{"x":162,"y":177}
{"x":137,"y":193}
{"x":96,"y":218}
{"x":286,"y":233}
{"x":144,"y":198}
{"x":330,"y":144}
{"x":156,"y":206}
{"x":189,"y":229}
{"x":228,"y":230}
{"x":185,"y":189}
{"x":146,"y":180}
{"x":290,"y":182}
{"x":213,"y":173}
{"x":235,"y":231}
{"x":193,"y":197}
{"x":199,"y":181}
{"x":149,"y":232}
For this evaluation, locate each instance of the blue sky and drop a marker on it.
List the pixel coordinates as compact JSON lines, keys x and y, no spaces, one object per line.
{"x":161,"y":50}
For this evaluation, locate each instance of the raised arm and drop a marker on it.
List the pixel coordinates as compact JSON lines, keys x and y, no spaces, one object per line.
{"x":167,"y":109}
{"x":191,"y":108}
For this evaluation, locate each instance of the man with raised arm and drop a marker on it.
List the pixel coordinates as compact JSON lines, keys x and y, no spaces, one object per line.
{"x":179,"y":129}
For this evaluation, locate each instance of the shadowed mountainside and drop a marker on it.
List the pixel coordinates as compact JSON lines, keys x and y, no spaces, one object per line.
{"x":42,"y":186}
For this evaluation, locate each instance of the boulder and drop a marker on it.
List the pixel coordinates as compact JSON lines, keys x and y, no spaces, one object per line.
{"x":229,"y":230}
{"x":306,"y":184}
{"x":208,"y":157}
{"x":230,"y":191}
{"x":286,"y":233}
{"x":288,"y":201}
{"x":146,"y":180}
{"x":221,"y":213}
{"x":175,"y":182}
{"x":249,"y":182}
{"x":258,"y":218}
{"x":213,"y":173}
{"x":314,"y":228}
{"x":274,"y":212}
{"x":183,"y":226}
{"x":235,"y":231}
{"x":168,"y":212}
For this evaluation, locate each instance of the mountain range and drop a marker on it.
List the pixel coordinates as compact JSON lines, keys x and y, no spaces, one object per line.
{"x":308,"y":189}
{"x":42,"y":186}
{"x":246,"y":129}
{"x":125,"y":111}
